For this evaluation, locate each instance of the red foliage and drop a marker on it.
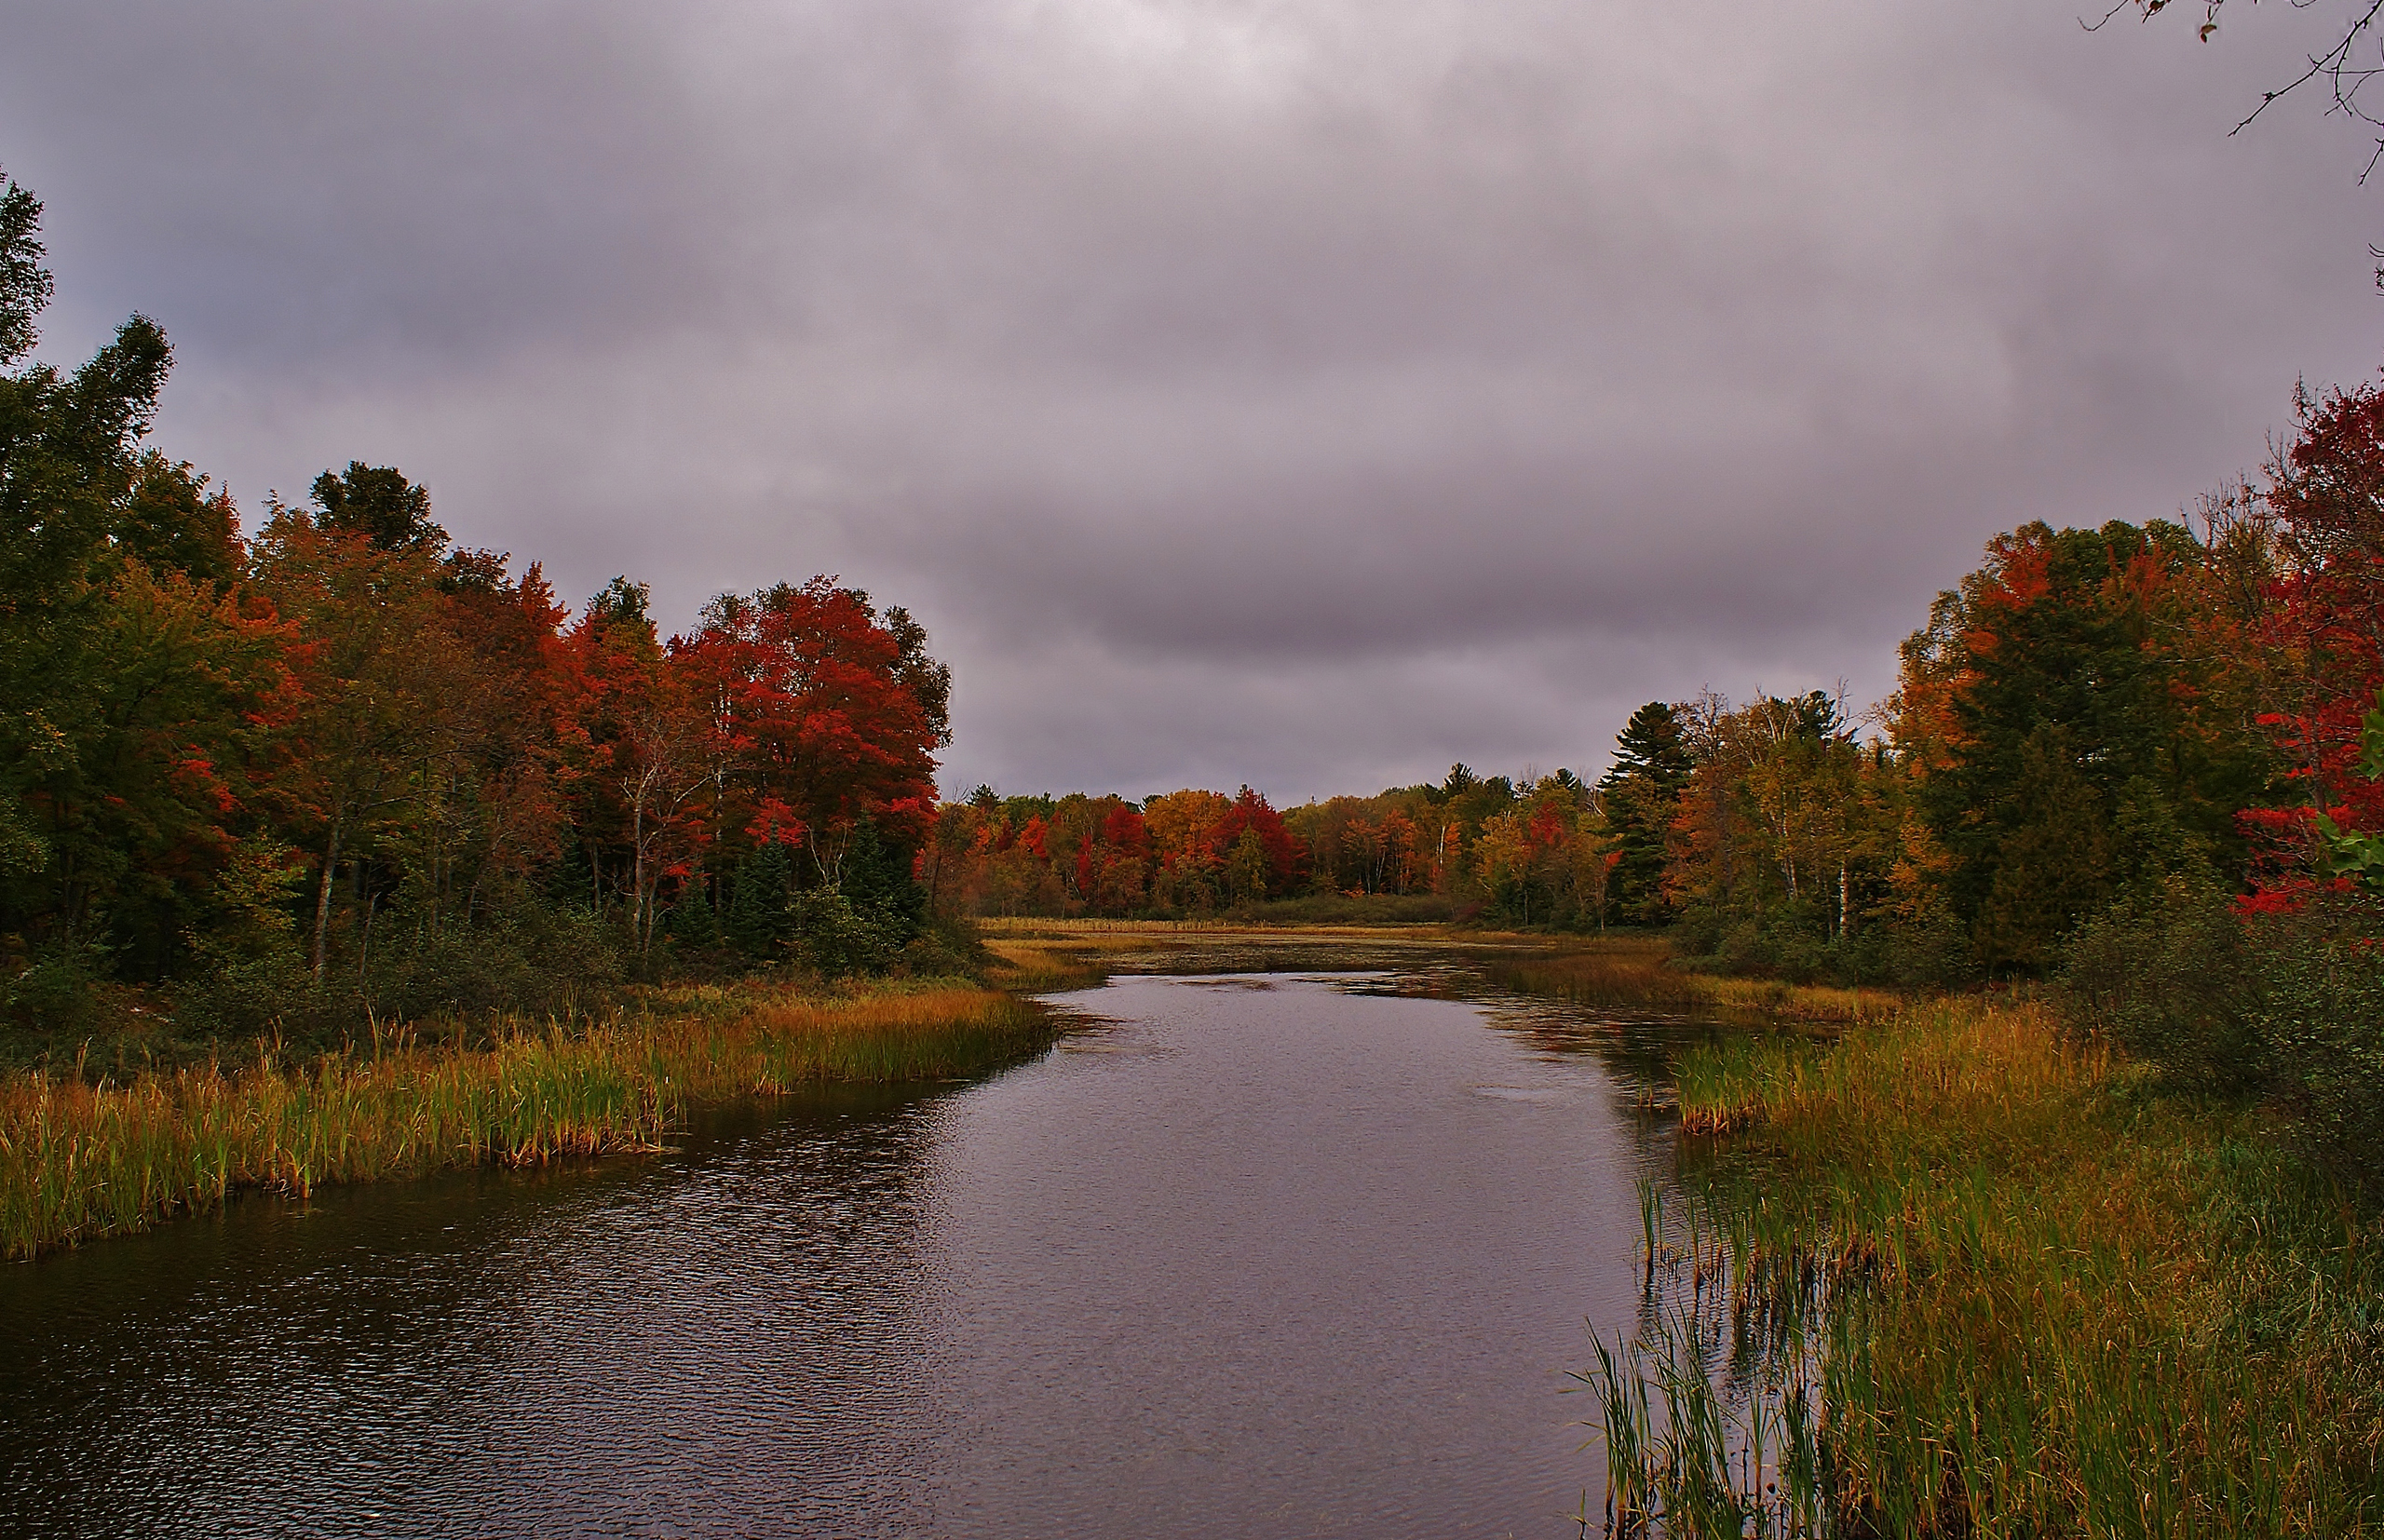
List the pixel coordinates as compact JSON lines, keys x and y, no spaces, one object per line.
{"x":2326,"y":621}
{"x":810,"y":709}
{"x":1124,"y":830}
{"x":1286,"y":855}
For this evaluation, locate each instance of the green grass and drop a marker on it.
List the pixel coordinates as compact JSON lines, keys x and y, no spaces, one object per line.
{"x":79,"y":1160}
{"x":2022,"y":1293}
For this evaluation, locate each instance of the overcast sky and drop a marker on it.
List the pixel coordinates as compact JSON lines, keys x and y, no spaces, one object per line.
{"x":1304,"y":392}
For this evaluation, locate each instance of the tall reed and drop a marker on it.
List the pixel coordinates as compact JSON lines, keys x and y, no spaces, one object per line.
{"x":2051,"y":1301}
{"x":80,"y":1160}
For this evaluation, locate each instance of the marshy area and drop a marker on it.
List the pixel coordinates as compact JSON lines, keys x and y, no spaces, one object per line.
{"x":1900,"y":1264}
{"x":1965,"y":1271}
{"x":1959,"y":1264}
{"x":87,"y":1156}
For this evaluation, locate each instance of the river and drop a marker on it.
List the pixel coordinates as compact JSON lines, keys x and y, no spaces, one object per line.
{"x":1259,"y":1254}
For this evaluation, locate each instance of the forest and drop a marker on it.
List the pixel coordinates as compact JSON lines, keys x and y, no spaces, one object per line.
{"x":291,"y":777}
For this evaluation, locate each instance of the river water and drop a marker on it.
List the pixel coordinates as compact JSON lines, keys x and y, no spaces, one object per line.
{"x":1264,"y":1255}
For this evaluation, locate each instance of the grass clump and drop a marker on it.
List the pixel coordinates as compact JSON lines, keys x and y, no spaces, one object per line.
{"x":79,"y":1159}
{"x":2040,"y":1295}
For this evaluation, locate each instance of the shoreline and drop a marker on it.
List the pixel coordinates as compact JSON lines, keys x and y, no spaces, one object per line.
{"x":81,"y":1162}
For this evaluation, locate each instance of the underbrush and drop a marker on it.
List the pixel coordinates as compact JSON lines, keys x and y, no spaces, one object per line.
{"x":79,"y":1159}
{"x":1804,"y":943}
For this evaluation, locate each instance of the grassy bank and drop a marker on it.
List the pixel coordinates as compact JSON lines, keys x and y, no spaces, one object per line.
{"x":1633,"y":971}
{"x":79,"y":1160}
{"x":1972,"y":1276}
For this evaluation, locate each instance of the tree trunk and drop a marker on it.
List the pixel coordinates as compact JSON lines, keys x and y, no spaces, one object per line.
{"x":323,"y":899}
{"x":637,"y":849}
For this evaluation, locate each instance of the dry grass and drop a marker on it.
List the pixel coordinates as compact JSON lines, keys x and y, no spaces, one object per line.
{"x":79,"y":1160}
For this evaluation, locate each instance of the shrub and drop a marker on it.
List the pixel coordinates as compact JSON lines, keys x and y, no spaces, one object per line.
{"x":543,"y":962}
{"x":2321,"y":1013}
{"x":2166,"y":974}
{"x":837,"y":939}
{"x":56,"y":992}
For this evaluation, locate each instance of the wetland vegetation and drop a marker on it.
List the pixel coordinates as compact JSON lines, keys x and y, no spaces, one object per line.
{"x":80,"y":1159}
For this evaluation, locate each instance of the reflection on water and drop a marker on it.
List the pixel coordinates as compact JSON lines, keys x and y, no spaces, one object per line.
{"x":1266,"y":1256}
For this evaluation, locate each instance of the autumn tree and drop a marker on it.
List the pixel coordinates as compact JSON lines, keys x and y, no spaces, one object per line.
{"x":2069,"y":733}
{"x":2325,"y":627}
{"x":135,"y":681}
{"x":1186,"y":832}
{"x":827,"y":713}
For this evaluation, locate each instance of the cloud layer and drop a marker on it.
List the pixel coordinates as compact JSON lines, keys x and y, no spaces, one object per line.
{"x":1302,"y":393}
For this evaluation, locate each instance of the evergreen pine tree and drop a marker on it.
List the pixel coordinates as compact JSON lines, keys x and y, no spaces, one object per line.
{"x":759,"y":918}
{"x":692,"y":921}
{"x":1641,"y":795}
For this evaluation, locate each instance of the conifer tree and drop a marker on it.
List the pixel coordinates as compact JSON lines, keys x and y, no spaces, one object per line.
{"x":759,"y":919}
{"x":1641,"y":795}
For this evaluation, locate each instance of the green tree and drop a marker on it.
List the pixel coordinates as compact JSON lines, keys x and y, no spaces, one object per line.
{"x":2053,"y":700}
{"x":759,"y":919}
{"x":378,"y":503}
{"x":81,"y":513}
{"x":1246,"y":869}
{"x":876,"y":879}
{"x":1640,"y":796}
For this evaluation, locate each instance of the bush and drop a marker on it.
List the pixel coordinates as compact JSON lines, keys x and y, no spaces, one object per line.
{"x":2321,"y":1013}
{"x":544,"y":961}
{"x":56,"y":992}
{"x":2166,"y":974}
{"x":837,"y":939}
{"x":241,"y":998}
{"x":1792,"y":942}
{"x":946,"y":948}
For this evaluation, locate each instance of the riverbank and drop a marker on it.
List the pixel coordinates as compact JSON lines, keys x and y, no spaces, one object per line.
{"x":1626,"y":969}
{"x":79,"y":1161}
{"x":2025,"y":1293}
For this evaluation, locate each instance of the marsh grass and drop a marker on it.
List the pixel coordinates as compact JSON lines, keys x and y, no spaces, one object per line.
{"x":1635,"y":971}
{"x":2027,"y":1294}
{"x":79,"y":1160}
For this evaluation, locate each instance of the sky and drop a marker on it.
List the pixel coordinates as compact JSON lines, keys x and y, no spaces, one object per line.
{"x":1304,"y":393}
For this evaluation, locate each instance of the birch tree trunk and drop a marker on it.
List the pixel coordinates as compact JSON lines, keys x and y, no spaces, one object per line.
{"x":323,"y":899}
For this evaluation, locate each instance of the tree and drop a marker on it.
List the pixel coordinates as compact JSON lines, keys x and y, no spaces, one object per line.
{"x":1282,"y":860}
{"x":1187,"y":839}
{"x":822,"y":714}
{"x":1641,"y":794}
{"x":2061,"y":685}
{"x":378,"y":503}
{"x":2349,"y":59}
{"x":69,"y":459}
{"x":2324,"y":623}
{"x":131,"y":693}
{"x":877,"y":884}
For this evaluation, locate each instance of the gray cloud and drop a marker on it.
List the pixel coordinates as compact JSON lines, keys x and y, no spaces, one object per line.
{"x":1307,"y":394}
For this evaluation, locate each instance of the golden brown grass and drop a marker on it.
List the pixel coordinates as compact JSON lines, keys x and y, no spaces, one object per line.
{"x":80,"y":1160}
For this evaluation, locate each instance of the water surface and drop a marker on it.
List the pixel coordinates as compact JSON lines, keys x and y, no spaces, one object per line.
{"x":1254,"y":1255}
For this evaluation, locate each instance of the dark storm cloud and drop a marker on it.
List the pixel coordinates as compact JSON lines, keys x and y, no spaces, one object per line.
{"x":1307,"y":394}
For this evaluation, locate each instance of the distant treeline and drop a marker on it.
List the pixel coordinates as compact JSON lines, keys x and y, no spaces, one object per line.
{"x":2093,"y":721}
